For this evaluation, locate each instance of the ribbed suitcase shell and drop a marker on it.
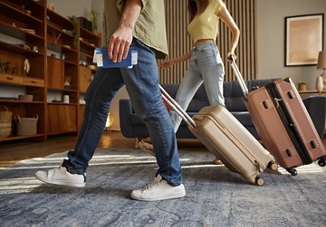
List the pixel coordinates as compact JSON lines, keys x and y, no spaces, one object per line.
{"x":284,"y":124}
{"x":231,"y":142}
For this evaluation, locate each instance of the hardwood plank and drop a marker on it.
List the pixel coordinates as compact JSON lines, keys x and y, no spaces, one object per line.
{"x":20,"y":150}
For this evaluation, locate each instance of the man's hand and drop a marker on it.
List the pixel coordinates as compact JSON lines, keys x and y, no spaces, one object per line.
{"x":119,"y":43}
{"x":121,"y":39}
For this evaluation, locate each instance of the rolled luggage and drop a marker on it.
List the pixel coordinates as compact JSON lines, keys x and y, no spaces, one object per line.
{"x":228,"y":139}
{"x":283,"y":123}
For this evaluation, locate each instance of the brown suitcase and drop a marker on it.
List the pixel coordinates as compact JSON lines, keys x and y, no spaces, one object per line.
{"x":283,"y":123}
{"x":228,"y":139}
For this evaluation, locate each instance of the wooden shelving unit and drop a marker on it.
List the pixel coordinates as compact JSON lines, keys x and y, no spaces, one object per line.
{"x":59,"y":51}
{"x":88,"y":41}
{"x":22,"y":28}
{"x":62,"y":61}
{"x":312,"y":92}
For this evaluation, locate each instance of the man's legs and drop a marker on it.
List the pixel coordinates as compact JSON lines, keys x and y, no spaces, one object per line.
{"x":98,"y":99}
{"x":142,"y":85}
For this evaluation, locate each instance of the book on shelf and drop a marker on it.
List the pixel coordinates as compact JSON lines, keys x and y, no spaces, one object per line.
{"x":31,"y":31}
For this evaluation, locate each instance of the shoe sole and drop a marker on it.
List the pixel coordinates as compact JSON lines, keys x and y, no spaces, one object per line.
{"x":176,"y":196}
{"x":58,"y":182}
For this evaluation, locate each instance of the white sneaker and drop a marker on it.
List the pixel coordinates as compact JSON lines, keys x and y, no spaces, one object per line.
{"x":159,"y":189}
{"x":61,"y":176}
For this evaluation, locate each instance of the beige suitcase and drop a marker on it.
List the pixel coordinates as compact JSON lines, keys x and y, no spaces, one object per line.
{"x":228,"y":139}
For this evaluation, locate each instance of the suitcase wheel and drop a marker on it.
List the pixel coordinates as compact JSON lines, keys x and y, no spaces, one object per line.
{"x":272,"y":165}
{"x":322,"y":161}
{"x":259,"y":181}
{"x":292,"y":171}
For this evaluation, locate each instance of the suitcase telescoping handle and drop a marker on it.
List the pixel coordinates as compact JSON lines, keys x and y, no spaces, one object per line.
{"x":237,"y":73}
{"x":177,"y":108}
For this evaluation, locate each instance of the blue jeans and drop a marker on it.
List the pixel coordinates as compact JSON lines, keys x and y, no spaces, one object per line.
{"x":142,"y":85}
{"x":205,"y":66}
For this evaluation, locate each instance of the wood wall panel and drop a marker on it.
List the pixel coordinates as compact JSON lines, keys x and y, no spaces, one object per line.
{"x":179,"y":41}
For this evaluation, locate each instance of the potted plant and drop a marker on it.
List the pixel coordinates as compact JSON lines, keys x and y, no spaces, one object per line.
{"x":93,"y":19}
{"x":75,"y":32}
{"x":302,"y":85}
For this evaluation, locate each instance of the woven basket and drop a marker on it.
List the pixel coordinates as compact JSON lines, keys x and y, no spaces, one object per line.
{"x":27,"y":126}
{"x":5,"y":122}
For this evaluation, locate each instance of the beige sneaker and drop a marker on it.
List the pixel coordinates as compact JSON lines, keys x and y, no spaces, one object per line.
{"x":159,"y":189}
{"x":61,"y":176}
{"x":146,"y":147}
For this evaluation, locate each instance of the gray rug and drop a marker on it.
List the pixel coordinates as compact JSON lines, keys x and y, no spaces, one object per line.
{"x":215,"y":196}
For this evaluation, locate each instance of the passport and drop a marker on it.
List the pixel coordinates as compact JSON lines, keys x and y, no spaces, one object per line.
{"x":102,"y":59}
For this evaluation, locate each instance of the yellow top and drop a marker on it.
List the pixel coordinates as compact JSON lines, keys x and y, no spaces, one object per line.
{"x":205,"y":25}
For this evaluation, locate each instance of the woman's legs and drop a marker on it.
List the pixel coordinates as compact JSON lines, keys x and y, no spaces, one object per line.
{"x":186,"y":91}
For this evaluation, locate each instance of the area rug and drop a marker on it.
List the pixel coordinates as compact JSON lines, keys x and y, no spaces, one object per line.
{"x":215,"y":195}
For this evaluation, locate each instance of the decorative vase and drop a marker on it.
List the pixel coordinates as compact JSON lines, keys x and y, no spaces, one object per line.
{"x":27,"y":66}
{"x":319,"y":83}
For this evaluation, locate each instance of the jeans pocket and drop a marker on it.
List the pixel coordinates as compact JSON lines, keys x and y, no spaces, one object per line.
{"x":208,"y":57}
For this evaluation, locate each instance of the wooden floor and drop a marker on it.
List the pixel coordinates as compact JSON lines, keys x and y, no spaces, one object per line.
{"x":10,"y":153}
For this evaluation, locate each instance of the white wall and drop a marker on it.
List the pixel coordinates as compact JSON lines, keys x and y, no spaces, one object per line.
{"x":98,"y":5}
{"x":270,"y":16}
{"x":72,"y":7}
{"x":80,"y":8}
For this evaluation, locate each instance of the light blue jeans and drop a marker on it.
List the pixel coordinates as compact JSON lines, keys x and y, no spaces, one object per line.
{"x":142,"y":85}
{"x":205,"y":66}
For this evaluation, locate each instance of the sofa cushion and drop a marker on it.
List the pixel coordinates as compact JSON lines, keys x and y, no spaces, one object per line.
{"x":243,"y":117}
{"x":234,"y":98}
{"x":199,"y":100}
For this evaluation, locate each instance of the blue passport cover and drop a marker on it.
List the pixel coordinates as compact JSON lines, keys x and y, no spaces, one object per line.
{"x":102,"y":59}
